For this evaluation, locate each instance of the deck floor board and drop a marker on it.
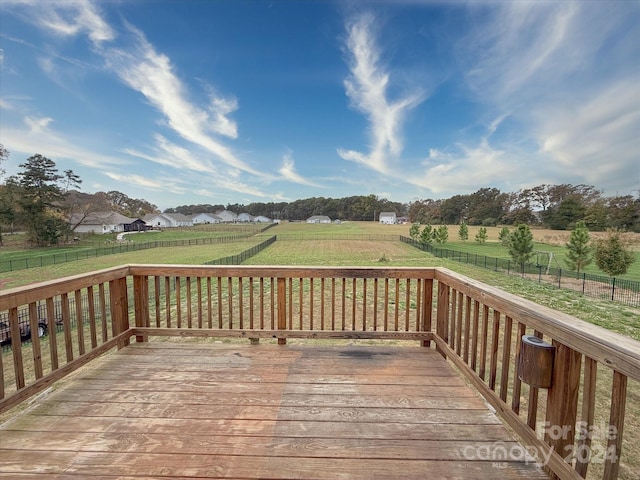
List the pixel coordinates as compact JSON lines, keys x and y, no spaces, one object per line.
{"x":263,"y":411}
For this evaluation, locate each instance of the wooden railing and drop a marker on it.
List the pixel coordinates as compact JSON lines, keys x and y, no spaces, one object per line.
{"x":574,"y":427}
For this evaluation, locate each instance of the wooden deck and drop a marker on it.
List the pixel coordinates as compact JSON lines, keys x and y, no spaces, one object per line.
{"x":167,"y":410}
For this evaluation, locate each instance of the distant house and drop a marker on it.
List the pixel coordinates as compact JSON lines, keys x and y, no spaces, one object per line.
{"x":261,"y":219}
{"x":318,"y":219}
{"x":227,"y":216}
{"x":105,"y":222}
{"x":167,"y":220}
{"x":245,"y":218}
{"x":388,"y":218}
{"x":204,"y":218}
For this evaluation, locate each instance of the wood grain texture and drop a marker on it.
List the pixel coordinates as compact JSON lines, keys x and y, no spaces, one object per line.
{"x":263,"y":411}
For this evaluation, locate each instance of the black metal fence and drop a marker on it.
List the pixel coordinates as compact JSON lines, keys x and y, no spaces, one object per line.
{"x":242,"y":256}
{"x":619,"y":290}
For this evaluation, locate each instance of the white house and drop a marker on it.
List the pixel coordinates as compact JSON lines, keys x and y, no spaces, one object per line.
{"x":104,"y":222}
{"x":245,"y":218}
{"x":227,"y":216}
{"x":318,"y":219}
{"x":167,"y":220}
{"x":203,"y":218}
{"x":388,"y":218}
{"x":261,"y":219}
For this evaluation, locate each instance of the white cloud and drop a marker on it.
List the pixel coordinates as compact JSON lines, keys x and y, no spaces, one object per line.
{"x":288,"y":172}
{"x":158,"y":184}
{"x":366,"y":88}
{"x":39,"y":131}
{"x":68,"y":18}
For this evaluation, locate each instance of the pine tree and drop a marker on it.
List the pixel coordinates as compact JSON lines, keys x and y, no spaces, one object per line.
{"x":481,"y":236}
{"x":504,"y":236}
{"x":612,"y":255}
{"x":521,"y":245}
{"x":441,"y":235}
{"x":463,"y":232}
{"x":414,"y":231}
{"x":426,"y":236}
{"x":579,"y":250}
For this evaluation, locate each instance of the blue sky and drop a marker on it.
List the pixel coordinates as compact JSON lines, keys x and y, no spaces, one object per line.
{"x":186,"y":102}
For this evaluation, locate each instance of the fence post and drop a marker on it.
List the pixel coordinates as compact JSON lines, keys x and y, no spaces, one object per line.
{"x":562,"y":400}
{"x":613,"y":288}
{"x":559,"y":278}
{"x":282,"y":308}
{"x":141,"y":304}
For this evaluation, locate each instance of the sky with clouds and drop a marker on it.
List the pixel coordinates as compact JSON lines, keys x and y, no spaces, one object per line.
{"x":188,"y":101}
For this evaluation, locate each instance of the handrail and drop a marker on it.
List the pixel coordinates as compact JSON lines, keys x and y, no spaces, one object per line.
{"x":476,"y":326}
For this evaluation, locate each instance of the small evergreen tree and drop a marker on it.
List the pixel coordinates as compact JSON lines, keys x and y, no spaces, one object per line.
{"x":441,"y":235}
{"x":613,"y":256}
{"x":504,"y":236}
{"x":463,"y":232}
{"x":521,"y":245}
{"x":426,"y":236}
{"x":481,"y":236}
{"x":579,"y":250}
{"x":414,"y":231}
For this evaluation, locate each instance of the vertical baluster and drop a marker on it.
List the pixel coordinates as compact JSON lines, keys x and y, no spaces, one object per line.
{"x":616,"y":424}
{"x":386,"y":305}
{"x":35,"y":339}
{"x":79,"y":321}
{"x":467,"y":328}
{"x":199,"y":301}
{"x":102,"y":301}
{"x":474,"y":334}
{"x":240,"y":302}
{"x":209,"y":304}
{"x":375,"y":304}
{"x":219,"y":292}
{"x":483,"y":342}
{"x":460,"y":315}
{"x":178,"y":286}
{"x":322,"y":301}
{"x":583,"y":447}
{"x":517,"y":383}
{"x":92,"y":317}
{"x":364,"y":304}
{"x":495,"y":338}
{"x":52,"y":328}
{"x":454,"y":316}
{"x":16,"y":348}
{"x":167,"y":300}
{"x":353,"y":304}
{"x":532,"y":411}
{"x":506,"y":357}
{"x":66,"y":323}
{"x":156,"y":292}
{"x":311,"y":306}
{"x":251,"y":303}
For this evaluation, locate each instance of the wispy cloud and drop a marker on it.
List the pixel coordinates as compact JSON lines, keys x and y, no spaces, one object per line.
{"x":367,"y":89}
{"x":288,"y":172}
{"x":39,"y":131}
{"x":68,"y":18}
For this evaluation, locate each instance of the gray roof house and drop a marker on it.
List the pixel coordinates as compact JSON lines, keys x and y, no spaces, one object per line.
{"x":167,"y":220}
{"x":318,"y":219}
{"x":227,"y":216}
{"x":388,"y":218}
{"x":245,"y":218}
{"x":105,"y":222}
{"x":203,"y":218}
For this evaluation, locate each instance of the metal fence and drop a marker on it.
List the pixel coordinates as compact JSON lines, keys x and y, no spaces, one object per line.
{"x":619,"y":290}
{"x":242,"y":256}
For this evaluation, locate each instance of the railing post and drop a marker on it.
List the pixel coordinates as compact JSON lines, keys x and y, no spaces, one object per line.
{"x":282,"y":308}
{"x":562,"y":401}
{"x":119,"y":308}
{"x":141,"y":303}
{"x":442,"y":314}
